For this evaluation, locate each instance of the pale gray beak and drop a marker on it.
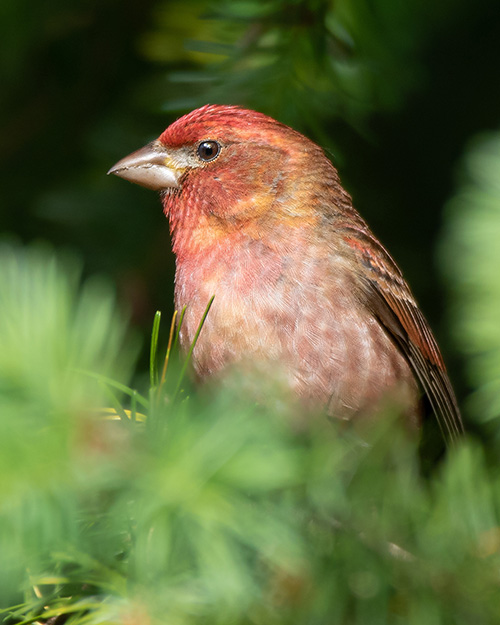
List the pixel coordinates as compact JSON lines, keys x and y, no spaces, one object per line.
{"x":151,"y":167}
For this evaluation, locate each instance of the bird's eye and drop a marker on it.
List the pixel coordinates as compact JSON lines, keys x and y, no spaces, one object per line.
{"x":208,"y":150}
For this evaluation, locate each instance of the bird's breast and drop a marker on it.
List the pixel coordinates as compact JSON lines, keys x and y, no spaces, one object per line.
{"x":294,"y":318}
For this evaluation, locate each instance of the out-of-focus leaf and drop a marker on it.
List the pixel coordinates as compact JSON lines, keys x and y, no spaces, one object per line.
{"x":471,"y":257}
{"x":296,"y":60}
{"x":52,"y":330}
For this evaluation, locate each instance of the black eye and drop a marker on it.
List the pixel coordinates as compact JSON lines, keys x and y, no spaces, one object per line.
{"x":208,"y":150}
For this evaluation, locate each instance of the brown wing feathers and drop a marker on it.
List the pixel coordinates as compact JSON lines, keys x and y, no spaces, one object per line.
{"x":405,"y":321}
{"x":393,"y":304}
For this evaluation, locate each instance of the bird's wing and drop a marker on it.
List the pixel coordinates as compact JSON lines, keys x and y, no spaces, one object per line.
{"x":393,"y":304}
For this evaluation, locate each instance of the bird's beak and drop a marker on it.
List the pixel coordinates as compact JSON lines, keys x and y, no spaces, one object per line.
{"x":151,"y":167}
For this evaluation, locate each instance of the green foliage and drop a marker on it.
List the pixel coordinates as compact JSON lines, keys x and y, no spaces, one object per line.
{"x":299,"y":60}
{"x":184,"y":507}
{"x":471,"y":255}
{"x":209,"y":508}
{"x":52,"y":333}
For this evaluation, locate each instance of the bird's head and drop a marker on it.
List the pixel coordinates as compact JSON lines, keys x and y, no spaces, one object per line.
{"x":231,"y":163}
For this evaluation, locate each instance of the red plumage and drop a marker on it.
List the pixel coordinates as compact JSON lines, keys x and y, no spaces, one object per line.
{"x":304,"y":292}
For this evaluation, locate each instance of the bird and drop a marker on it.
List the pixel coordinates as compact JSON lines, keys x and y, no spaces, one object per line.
{"x":304,"y":292}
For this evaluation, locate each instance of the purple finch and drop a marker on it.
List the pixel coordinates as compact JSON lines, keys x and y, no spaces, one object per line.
{"x":304,"y":292}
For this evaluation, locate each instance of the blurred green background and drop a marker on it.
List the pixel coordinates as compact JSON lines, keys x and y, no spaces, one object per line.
{"x":259,"y":523}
